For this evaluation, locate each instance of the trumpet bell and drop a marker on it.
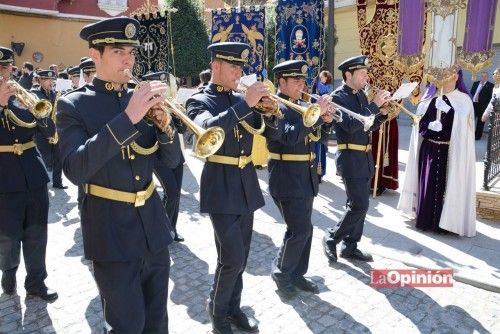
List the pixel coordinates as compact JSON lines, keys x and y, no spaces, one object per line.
{"x":42,"y":109}
{"x":311,"y":115}
{"x":209,"y":142}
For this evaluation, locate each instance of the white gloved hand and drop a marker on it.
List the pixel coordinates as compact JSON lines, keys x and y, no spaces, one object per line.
{"x":435,"y":126}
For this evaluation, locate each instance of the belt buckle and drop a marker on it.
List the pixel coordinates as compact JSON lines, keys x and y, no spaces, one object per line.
{"x":312,"y":156}
{"x":18,"y":149}
{"x":140,"y":198}
{"x":368,"y":148}
{"x":242,"y":161}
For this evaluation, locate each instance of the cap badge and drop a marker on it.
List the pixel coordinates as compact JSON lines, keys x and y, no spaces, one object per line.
{"x":304,"y":69}
{"x":1,"y":54}
{"x":245,"y":53}
{"x":130,"y":30}
{"x":163,"y":76}
{"x":366,"y":62}
{"x":49,"y":74}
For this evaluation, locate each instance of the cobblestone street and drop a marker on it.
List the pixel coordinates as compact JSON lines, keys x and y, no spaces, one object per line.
{"x":346,"y":302}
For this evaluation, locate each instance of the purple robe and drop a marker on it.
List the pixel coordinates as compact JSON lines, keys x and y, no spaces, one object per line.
{"x":432,"y":168}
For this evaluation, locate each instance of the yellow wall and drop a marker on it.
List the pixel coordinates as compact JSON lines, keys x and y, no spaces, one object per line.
{"x":58,"y":40}
{"x":346,"y":22}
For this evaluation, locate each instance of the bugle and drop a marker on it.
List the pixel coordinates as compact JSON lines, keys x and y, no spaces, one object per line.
{"x":415,"y":118}
{"x":208,"y":140}
{"x":366,"y":120}
{"x":39,"y":108}
{"x":310,"y":114}
{"x":337,"y":114}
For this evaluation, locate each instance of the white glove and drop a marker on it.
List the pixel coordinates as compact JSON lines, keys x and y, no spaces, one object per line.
{"x":435,"y":126}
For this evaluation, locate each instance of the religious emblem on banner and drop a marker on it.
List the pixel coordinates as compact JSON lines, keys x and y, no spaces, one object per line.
{"x":153,"y":35}
{"x":300,"y":34}
{"x":245,"y":25}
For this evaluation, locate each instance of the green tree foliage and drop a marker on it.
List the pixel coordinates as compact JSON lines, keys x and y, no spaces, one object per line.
{"x":190,"y":38}
{"x":270,"y":39}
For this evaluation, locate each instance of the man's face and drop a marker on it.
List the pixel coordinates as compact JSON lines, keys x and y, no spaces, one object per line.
{"x":110,"y":65}
{"x":5,"y":71}
{"x":75,"y":80}
{"x":228,"y":74}
{"x":358,"y":79}
{"x":88,"y":77}
{"x":46,"y":84}
{"x":484,"y":77}
{"x":292,"y":87}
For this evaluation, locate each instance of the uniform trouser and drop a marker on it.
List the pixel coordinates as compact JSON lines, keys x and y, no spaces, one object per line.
{"x":134,"y":293}
{"x":350,"y":227}
{"x":81,"y":195}
{"x":233,"y":234}
{"x":293,"y":256}
{"x":57,"y":165}
{"x":23,"y":221}
{"x":45,"y":149}
{"x":171,"y":181}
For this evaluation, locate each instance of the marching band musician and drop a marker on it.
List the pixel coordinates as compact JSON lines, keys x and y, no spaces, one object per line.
{"x":170,"y":178}
{"x":229,"y":189}
{"x":293,"y":180}
{"x":47,"y":148}
{"x":24,"y":200}
{"x":354,"y":159}
{"x":108,"y":146}
{"x":87,"y":68}
{"x":74,"y":75}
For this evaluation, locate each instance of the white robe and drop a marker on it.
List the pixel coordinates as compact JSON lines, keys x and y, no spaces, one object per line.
{"x":408,"y":199}
{"x":459,"y":209}
{"x":459,"y":206}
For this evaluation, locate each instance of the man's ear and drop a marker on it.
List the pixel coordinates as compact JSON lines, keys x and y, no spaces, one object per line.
{"x":94,"y":54}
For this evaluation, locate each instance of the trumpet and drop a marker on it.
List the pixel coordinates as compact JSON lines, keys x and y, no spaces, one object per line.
{"x":310,"y":114}
{"x":39,"y":108}
{"x":337,"y":114}
{"x":415,"y":118}
{"x":208,"y":140}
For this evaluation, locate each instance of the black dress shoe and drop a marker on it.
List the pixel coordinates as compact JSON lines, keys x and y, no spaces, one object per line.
{"x":220,"y":325}
{"x":44,"y":293}
{"x":331,"y":254}
{"x":304,"y":284}
{"x":59,"y":186}
{"x":357,"y":254}
{"x":285,"y":287}
{"x":9,"y":282}
{"x":243,"y":322}
{"x":178,"y":238}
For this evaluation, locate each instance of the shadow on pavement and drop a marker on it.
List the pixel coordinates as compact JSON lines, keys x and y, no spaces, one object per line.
{"x":423,"y":311}
{"x":329,"y":318}
{"x":192,"y":281}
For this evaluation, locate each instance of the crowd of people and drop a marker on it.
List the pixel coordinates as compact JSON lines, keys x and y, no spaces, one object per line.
{"x":110,"y":140}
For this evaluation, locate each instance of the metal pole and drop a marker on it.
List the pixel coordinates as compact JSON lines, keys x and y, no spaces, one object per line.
{"x":330,"y":38}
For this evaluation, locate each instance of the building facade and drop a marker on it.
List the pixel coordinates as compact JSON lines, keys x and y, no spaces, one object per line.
{"x":49,"y":29}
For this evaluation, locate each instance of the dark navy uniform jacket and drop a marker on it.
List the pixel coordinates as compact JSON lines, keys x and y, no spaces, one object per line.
{"x":41,"y":94}
{"x":227,"y":189}
{"x":294,"y":179}
{"x":26,"y":171}
{"x":94,"y":134}
{"x":351,"y":163}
